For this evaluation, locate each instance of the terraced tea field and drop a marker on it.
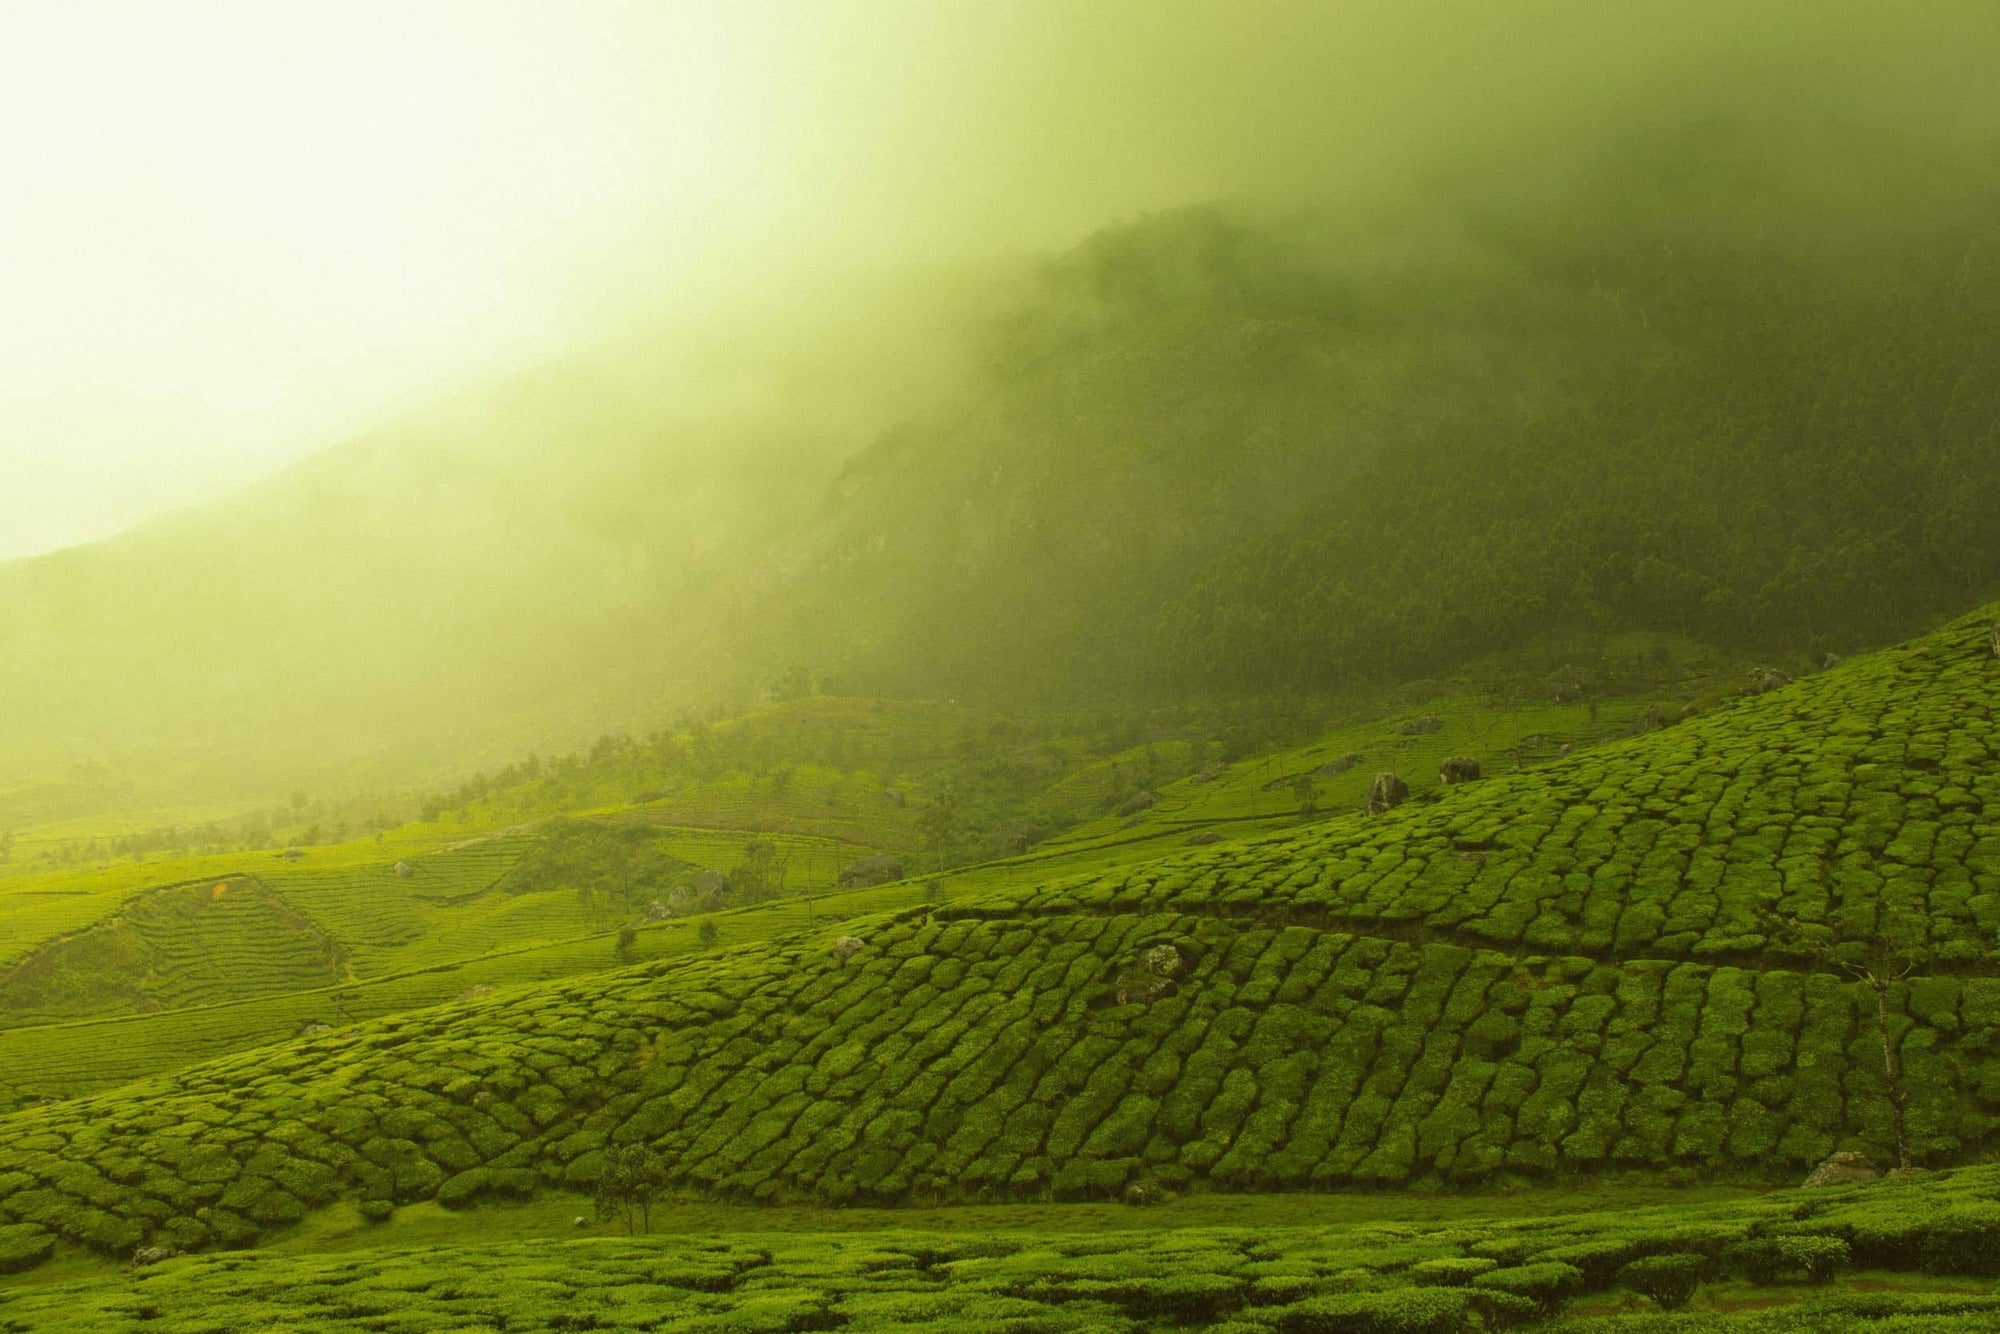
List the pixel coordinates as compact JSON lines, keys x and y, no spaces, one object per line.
{"x":56,"y":1061}
{"x":419,"y":916}
{"x":172,"y":947}
{"x":1718,"y":951}
{"x":1626,"y":960}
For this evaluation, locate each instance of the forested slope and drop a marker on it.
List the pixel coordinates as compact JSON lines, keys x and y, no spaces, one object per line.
{"x":1629,"y":959}
{"x":1689,"y":384}
{"x":1702,"y":379}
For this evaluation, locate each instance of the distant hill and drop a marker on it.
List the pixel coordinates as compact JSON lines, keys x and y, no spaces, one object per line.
{"x":495,"y":574}
{"x":1694,"y":388}
{"x":1684,"y":953}
{"x":1685,"y":384}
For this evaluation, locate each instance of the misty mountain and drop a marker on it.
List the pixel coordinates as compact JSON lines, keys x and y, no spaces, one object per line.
{"x":1691,"y":386}
{"x":1683,"y":382}
{"x":484,"y":573}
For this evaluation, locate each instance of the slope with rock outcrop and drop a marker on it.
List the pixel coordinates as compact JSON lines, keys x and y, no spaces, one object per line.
{"x":1733,"y":947}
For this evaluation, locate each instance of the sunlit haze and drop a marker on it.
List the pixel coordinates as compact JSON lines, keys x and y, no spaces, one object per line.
{"x":230,"y":233}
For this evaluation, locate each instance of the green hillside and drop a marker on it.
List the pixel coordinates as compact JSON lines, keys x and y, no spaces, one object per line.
{"x":1653,"y":956}
{"x":171,"y":947}
{"x":1040,"y":668}
{"x":590,"y":867}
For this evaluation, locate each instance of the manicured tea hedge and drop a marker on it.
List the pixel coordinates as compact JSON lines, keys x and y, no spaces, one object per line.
{"x":991,"y":1059}
{"x":1425,"y":1278}
{"x":1851,"y":806}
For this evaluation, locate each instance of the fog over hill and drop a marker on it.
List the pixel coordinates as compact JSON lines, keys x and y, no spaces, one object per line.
{"x":1707,"y":354}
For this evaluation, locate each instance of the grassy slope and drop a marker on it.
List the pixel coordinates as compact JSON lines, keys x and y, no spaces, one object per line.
{"x":1573,"y":969}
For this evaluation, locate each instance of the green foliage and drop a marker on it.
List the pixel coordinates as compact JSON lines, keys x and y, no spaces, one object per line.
{"x":1454,"y":1271}
{"x":1669,"y":1279}
{"x":630,"y":1179}
{"x":23,"y":1246}
{"x":1691,"y":529}
{"x":609,"y":866}
{"x":1410,"y":1311}
{"x":1548,"y":1283}
{"x":172,"y":947}
{"x":1818,"y":1257}
{"x":1323,"y":1008}
{"x":878,"y":1272}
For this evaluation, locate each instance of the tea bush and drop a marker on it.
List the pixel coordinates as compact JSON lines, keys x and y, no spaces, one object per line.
{"x":1369,"y":1277}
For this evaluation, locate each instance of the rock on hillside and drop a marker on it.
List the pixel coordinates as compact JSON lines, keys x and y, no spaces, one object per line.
{"x":1625,"y":959}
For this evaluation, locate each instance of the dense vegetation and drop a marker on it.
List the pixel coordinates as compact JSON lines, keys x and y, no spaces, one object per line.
{"x":1781,"y":1257}
{"x":1798,"y":959}
{"x":1244,"y":456}
{"x":424,"y":913}
{"x":1054,"y":811}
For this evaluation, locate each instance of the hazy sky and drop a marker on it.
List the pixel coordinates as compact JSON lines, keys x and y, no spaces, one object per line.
{"x":230,"y":233}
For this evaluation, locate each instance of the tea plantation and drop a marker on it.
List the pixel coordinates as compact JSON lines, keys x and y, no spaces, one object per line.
{"x":1850,"y":808}
{"x":118,"y":973}
{"x":172,"y":947}
{"x":61,"y":1060}
{"x":1893,"y":1256}
{"x":1624,"y":960}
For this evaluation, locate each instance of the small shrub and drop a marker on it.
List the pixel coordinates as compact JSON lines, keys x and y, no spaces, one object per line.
{"x":1757,"y":1259}
{"x":1819,"y":1257}
{"x":1885,"y":1238}
{"x":1964,"y":1240}
{"x":1599,"y":1260}
{"x":1278,"y":1289}
{"x":463,"y":1190}
{"x":23,"y":1246}
{"x":1398,"y":1311}
{"x":377,"y":1211}
{"x":1184,"y":1299}
{"x":1548,"y":1283}
{"x":1669,"y":1280}
{"x":1502,"y":1310}
{"x":1452,"y":1272}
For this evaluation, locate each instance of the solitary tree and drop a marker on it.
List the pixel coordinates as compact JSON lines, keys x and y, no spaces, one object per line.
{"x":1307,"y":792}
{"x":1878,"y":960}
{"x":938,"y":824}
{"x":796,"y":683}
{"x":632,"y":1179}
{"x":1883,"y":966}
